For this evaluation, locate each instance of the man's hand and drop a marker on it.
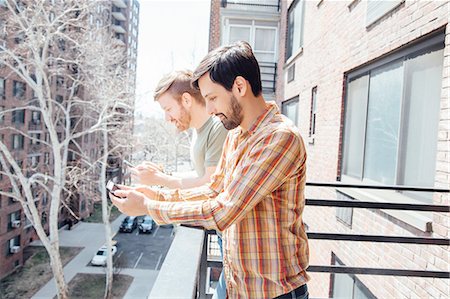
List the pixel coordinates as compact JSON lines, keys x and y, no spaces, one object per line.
{"x":130,"y":202}
{"x":148,"y":191}
{"x":148,"y":173}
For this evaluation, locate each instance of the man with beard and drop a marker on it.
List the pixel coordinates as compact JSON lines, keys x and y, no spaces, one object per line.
{"x":256,"y":196}
{"x":184,"y":107}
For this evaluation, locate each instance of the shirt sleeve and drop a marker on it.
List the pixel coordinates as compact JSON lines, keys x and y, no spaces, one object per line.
{"x":215,"y":144}
{"x":269,"y":163}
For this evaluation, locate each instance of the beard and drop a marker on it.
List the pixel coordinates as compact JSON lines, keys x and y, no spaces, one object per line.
{"x":183,"y":122}
{"x":235,"y":116}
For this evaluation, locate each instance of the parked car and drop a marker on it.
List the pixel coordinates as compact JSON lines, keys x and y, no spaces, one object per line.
{"x":99,"y":258}
{"x":128,"y":224}
{"x":146,"y":225}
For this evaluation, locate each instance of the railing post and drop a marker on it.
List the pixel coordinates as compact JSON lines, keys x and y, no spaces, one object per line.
{"x":203,"y":268}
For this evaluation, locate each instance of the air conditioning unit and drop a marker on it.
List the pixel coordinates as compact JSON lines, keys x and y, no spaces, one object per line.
{"x":15,"y":223}
{"x":15,"y":249}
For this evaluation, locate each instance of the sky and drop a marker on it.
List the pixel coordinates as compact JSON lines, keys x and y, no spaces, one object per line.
{"x":173,"y":34}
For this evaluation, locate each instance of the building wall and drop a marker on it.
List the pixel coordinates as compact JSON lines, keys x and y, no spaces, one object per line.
{"x":214,"y":25}
{"x":336,"y":41}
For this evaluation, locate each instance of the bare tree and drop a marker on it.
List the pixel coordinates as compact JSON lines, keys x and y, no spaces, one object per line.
{"x":77,"y":91}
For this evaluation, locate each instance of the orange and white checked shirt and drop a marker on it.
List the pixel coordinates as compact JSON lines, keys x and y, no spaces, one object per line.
{"x":256,"y":198}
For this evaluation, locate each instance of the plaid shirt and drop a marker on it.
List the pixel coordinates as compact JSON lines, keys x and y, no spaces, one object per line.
{"x":256,"y":198}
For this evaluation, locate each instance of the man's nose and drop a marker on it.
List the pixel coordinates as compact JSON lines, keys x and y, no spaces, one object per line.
{"x":168,"y":117}
{"x":210,"y":108}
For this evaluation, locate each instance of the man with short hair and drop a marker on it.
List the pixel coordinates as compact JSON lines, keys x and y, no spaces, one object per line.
{"x":256,"y":196}
{"x":184,"y":107}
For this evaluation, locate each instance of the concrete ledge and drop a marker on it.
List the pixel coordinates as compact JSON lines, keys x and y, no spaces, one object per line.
{"x":178,"y":275}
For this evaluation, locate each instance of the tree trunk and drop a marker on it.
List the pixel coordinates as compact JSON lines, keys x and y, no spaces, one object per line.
{"x":58,"y":272}
{"x":105,"y":216}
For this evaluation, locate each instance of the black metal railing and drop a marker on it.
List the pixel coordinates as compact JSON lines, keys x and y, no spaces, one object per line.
{"x":205,"y":263}
{"x":268,"y":76}
{"x":225,"y":3}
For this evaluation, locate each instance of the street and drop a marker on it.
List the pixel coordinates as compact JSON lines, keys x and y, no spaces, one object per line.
{"x":143,"y":251}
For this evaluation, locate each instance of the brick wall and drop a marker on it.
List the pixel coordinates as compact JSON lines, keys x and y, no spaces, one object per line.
{"x":214,"y":25}
{"x":336,"y":41}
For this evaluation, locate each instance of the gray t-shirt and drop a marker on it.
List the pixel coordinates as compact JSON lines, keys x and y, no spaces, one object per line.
{"x":208,"y":145}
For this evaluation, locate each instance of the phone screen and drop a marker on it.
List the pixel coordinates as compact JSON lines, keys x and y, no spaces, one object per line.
{"x":111,"y":187}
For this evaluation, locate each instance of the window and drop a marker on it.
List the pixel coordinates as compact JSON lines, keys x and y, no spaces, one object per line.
{"x":36,"y":117}
{"x":261,"y":35}
{"x":18,"y":116}
{"x":295,"y":28}
{"x":376,"y":9}
{"x":59,"y":98}
{"x":17,"y":141}
{"x":312,"y":121}
{"x":391,"y":118}
{"x":2,"y":116}
{"x":59,"y":81}
{"x":290,"y":109}
{"x":18,"y":89}
{"x":291,"y":73}
{"x":35,"y":138}
{"x":14,"y":220}
{"x":2,"y":89}
{"x":347,"y":285}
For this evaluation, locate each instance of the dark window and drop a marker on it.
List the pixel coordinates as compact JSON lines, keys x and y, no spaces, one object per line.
{"x":291,"y":73}
{"x":18,"y":116}
{"x":2,"y":115}
{"x":295,"y":28}
{"x":18,"y":89}
{"x":36,"y":117}
{"x":17,"y":141}
{"x":2,"y":89}
{"x":312,"y":121}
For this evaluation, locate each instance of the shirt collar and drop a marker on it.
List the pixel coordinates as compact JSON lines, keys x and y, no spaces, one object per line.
{"x":269,"y":112}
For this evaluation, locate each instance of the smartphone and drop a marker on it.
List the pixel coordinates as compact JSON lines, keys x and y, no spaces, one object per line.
{"x":128,"y":163}
{"x":111,"y":186}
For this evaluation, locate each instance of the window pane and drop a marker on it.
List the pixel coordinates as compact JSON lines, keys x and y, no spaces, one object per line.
{"x":290,"y":109}
{"x":295,"y":21}
{"x":423,"y":93}
{"x":264,"y":39}
{"x":239,"y":33}
{"x":383,"y":122}
{"x":355,"y":123}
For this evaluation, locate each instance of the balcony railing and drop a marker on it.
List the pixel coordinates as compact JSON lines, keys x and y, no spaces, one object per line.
{"x":168,"y":284}
{"x":268,"y":76}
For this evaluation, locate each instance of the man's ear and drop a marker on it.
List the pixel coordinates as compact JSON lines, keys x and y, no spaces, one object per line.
{"x":241,"y":85}
{"x":186,"y":99}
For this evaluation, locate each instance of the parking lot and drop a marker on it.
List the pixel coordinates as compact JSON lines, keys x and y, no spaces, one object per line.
{"x":143,"y":251}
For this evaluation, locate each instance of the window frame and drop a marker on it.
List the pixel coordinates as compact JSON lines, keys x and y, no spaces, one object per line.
{"x":252,"y":38}
{"x":290,"y":51}
{"x":284,"y":104}
{"x":433,"y":43}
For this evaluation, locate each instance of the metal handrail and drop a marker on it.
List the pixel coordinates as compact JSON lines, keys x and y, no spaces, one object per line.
{"x":374,"y":238}
{"x":376,"y":205}
{"x":382,"y":187}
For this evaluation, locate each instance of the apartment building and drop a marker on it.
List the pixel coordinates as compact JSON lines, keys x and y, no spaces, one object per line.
{"x":124,"y":17}
{"x":368,"y":83}
{"x":255,"y":21}
{"x":16,"y":231}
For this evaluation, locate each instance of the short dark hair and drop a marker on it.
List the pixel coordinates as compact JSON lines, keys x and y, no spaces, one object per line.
{"x":225,"y":63}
